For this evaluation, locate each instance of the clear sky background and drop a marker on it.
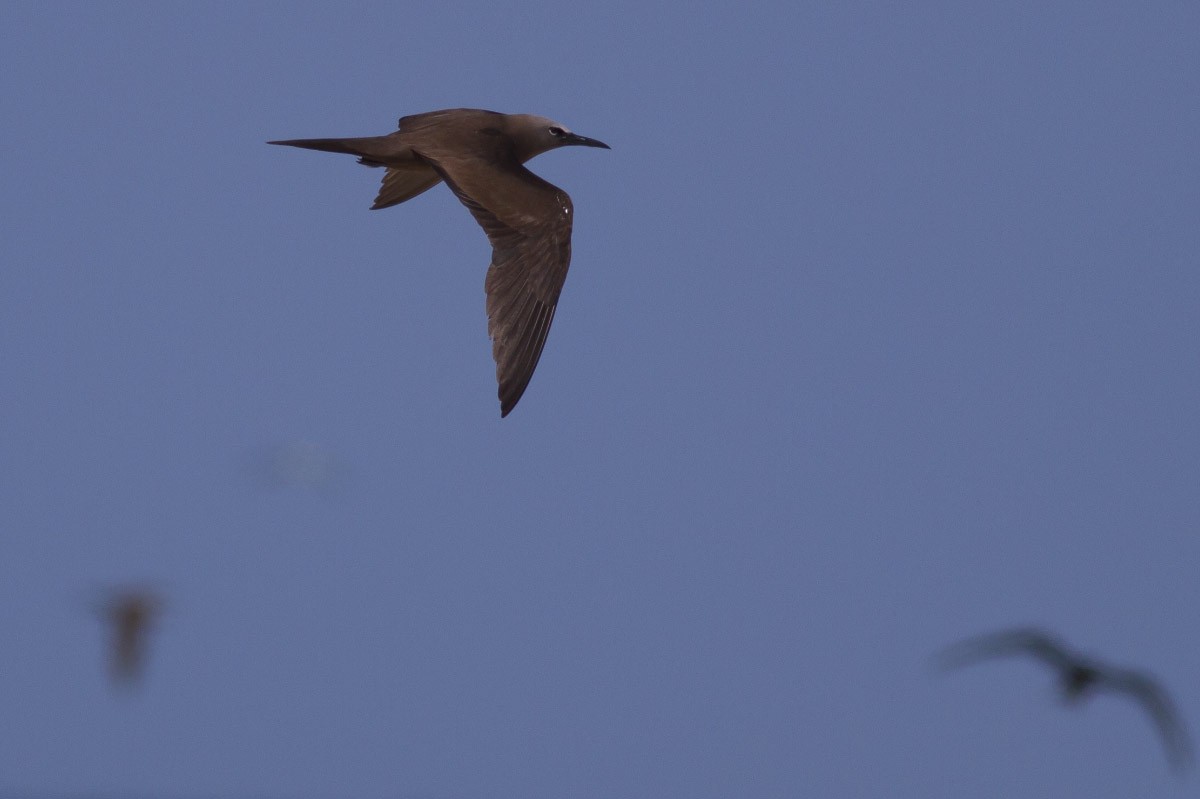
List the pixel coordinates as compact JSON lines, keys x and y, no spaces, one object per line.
{"x":881,"y":332}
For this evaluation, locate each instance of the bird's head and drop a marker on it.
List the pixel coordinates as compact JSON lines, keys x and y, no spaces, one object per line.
{"x":534,"y":135}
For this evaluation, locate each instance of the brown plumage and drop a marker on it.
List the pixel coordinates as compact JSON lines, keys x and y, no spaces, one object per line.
{"x":1080,"y":677}
{"x":480,"y":156}
{"x":130,"y":613}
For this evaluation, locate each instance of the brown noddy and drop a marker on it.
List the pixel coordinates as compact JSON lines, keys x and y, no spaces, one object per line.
{"x":480,"y":156}
{"x":1079,"y":677}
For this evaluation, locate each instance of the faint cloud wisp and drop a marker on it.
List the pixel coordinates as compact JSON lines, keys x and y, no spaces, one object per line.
{"x":298,"y":464}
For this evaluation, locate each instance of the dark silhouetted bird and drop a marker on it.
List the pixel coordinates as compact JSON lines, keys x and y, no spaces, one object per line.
{"x":130,"y":612}
{"x":480,"y":156}
{"x":1080,"y":677}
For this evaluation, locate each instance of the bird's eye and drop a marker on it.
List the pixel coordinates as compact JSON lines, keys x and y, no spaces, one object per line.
{"x":558,"y":133}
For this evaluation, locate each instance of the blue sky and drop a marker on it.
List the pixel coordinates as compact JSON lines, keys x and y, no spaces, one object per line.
{"x":881,"y":331}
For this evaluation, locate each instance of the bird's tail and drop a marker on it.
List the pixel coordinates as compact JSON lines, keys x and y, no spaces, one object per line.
{"x":362,"y":147}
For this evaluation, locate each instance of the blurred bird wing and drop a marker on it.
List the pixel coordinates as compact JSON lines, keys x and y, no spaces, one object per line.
{"x":1158,"y":704}
{"x":1028,"y":641}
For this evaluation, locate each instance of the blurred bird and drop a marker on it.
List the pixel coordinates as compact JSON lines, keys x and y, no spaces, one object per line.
{"x":131,"y":613}
{"x":1080,"y":677}
{"x":479,"y":154}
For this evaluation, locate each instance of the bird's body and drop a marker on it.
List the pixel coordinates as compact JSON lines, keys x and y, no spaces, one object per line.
{"x":480,"y":156}
{"x":1080,"y":677}
{"x":130,"y":613}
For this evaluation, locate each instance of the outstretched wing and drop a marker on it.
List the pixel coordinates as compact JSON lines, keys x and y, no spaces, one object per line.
{"x":431,"y":119}
{"x":1023,"y":641}
{"x":1158,"y":704}
{"x":528,"y":222}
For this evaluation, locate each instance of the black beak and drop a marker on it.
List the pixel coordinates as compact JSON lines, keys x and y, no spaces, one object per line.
{"x":575,"y":138}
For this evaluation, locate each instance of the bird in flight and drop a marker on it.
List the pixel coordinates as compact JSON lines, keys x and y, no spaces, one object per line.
{"x":130,"y":612}
{"x":1080,"y":677}
{"x":480,"y":156}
